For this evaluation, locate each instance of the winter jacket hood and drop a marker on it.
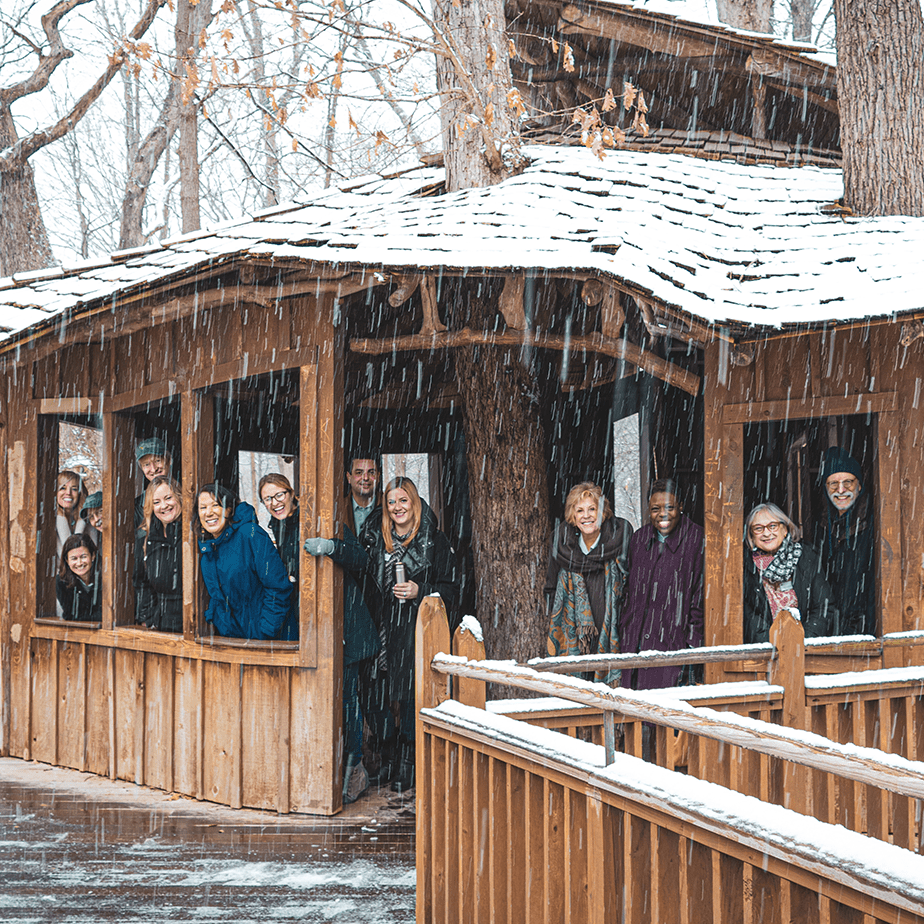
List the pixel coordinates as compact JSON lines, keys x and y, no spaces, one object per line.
{"x":249,"y":589}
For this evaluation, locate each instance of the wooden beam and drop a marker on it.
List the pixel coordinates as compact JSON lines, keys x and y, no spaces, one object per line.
{"x":797,"y":409}
{"x":654,"y":36}
{"x":592,"y":343}
{"x":799,"y":93}
{"x":790,"y":70}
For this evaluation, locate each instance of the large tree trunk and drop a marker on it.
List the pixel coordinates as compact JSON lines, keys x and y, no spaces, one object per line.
{"x":505,"y":440}
{"x":880,"y":85}
{"x":802,"y":12}
{"x":481,"y":143}
{"x":191,"y":18}
{"x":753,"y":15}
{"x":24,"y":243}
{"x":508,"y":493}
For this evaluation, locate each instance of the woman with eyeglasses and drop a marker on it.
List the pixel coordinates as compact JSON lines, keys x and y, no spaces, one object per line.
{"x":279,"y":498}
{"x":780,"y":572}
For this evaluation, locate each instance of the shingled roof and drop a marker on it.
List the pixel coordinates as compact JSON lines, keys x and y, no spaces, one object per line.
{"x":724,"y":242}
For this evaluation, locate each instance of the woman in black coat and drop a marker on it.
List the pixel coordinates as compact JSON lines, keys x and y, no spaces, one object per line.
{"x":406,"y":533}
{"x":780,"y":572}
{"x":78,"y":584}
{"x":159,"y":558}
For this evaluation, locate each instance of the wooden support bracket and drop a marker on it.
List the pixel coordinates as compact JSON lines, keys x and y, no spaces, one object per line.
{"x":511,"y":302}
{"x":431,"y":313}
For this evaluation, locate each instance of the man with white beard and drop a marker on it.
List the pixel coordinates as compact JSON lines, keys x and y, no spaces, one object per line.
{"x":845,"y":540}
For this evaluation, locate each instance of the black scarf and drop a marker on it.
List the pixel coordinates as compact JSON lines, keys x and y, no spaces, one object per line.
{"x":784,"y":562}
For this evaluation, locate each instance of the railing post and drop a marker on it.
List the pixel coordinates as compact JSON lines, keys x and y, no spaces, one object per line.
{"x":787,"y":667}
{"x":431,"y":636}
{"x":468,"y":642}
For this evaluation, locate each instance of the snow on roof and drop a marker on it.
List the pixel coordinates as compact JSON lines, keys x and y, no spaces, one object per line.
{"x":721,"y":241}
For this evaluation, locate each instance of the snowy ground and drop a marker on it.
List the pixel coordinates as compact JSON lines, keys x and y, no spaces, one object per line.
{"x":74,"y":849}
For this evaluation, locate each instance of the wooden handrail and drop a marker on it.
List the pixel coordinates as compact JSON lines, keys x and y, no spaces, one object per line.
{"x":847,"y":761}
{"x":759,"y":652}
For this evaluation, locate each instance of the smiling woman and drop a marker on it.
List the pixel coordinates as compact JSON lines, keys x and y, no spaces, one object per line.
{"x":586,"y":576}
{"x":249,"y":589}
{"x":159,"y":558}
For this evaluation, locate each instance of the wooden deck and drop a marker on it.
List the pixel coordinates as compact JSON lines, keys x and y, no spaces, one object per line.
{"x":737,"y":823}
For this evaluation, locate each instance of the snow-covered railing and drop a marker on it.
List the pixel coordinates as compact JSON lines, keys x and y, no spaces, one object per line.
{"x":841,"y":758}
{"x":520,"y":823}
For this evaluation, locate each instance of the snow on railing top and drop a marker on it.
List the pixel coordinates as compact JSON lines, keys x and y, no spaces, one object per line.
{"x":879,"y":869}
{"x":850,"y":761}
{"x":722,"y":241}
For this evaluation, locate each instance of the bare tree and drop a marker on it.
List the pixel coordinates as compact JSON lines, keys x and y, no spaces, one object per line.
{"x":880,"y":81}
{"x":753,"y":15}
{"x":24,"y":241}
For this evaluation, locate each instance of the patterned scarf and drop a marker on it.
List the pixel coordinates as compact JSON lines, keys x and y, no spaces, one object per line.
{"x":784,"y":562}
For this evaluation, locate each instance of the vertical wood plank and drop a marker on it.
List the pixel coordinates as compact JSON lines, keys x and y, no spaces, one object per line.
{"x":197,"y":442}
{"x":466,"y":645}
{"x":118,"y":539}
{"x":888,"y":463}
{"x":309,"y":566}
{"x":423,"y":854}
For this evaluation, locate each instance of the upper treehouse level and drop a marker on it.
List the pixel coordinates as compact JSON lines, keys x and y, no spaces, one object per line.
{"x":711,"y":90}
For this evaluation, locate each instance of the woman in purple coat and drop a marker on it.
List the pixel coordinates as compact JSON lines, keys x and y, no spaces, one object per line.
{"x":663,"y":610}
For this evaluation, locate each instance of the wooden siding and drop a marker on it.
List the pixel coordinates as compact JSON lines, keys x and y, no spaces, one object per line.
{"x":239,"y":723}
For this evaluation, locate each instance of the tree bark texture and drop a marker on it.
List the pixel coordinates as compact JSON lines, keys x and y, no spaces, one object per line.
{"x":481,"y":144}
{"x":753,"y":15}
{"x":191,"y":19}
{"x":801,"y":12}
{"x":880,"y":85}
{"x":508,"y":491}
{"x":24,"y":243}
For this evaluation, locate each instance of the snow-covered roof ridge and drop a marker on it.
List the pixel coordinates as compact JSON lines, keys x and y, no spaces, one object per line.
{"x":723,"y":242}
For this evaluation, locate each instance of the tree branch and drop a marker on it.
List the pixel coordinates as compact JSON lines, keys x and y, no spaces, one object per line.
{"x":15,"y":156}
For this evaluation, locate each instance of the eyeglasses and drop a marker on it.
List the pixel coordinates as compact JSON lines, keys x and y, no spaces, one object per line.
{"x":758,"y":529}
{"x":275,"y":498}
{"x":848,"y":484}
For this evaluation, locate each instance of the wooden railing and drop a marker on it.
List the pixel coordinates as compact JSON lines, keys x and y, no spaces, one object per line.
{"x":519,"y":823}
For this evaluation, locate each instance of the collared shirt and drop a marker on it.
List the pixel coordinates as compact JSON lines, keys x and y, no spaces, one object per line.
{"x":361,"y":514}
{"x":584,"y":548}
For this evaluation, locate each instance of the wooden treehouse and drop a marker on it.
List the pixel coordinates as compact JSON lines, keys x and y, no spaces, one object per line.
{"x":695,"y":283}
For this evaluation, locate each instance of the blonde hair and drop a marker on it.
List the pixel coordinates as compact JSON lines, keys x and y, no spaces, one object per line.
{"x":64,"y":476}
{"x":409,"y":488}
{"x":578,"y":493}
{"x":155,"y":483}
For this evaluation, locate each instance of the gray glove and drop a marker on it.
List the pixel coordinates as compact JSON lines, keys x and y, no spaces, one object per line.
{"x":319,"y":546}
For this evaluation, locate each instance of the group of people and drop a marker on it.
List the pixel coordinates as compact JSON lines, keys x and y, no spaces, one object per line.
{"x":609,"y":590}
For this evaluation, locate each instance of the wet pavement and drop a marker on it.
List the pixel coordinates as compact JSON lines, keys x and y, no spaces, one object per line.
{"x":77,"y":848}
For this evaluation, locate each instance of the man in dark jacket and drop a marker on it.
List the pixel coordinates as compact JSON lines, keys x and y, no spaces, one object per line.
{"x":845,"y":540}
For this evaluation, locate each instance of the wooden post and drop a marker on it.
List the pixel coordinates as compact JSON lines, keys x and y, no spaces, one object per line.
{"x":431,"y":637}
{"x":118,"y":541}
{"x":466,"y":644}
{"x":787,"y":668}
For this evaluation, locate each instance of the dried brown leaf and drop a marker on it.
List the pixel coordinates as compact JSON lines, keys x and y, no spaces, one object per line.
{"x":567,"y":58}
{"x":640,"y":105}
{"x":628,"y":95}
{"x":490,"y":58}
{"x":489,"y":114}
{"x":609,"y":101}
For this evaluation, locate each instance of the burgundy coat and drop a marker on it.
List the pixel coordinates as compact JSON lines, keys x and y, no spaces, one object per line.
{"x":663,"y":610}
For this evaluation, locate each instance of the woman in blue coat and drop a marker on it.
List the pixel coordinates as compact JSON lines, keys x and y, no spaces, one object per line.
{"x":249,"y":589}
